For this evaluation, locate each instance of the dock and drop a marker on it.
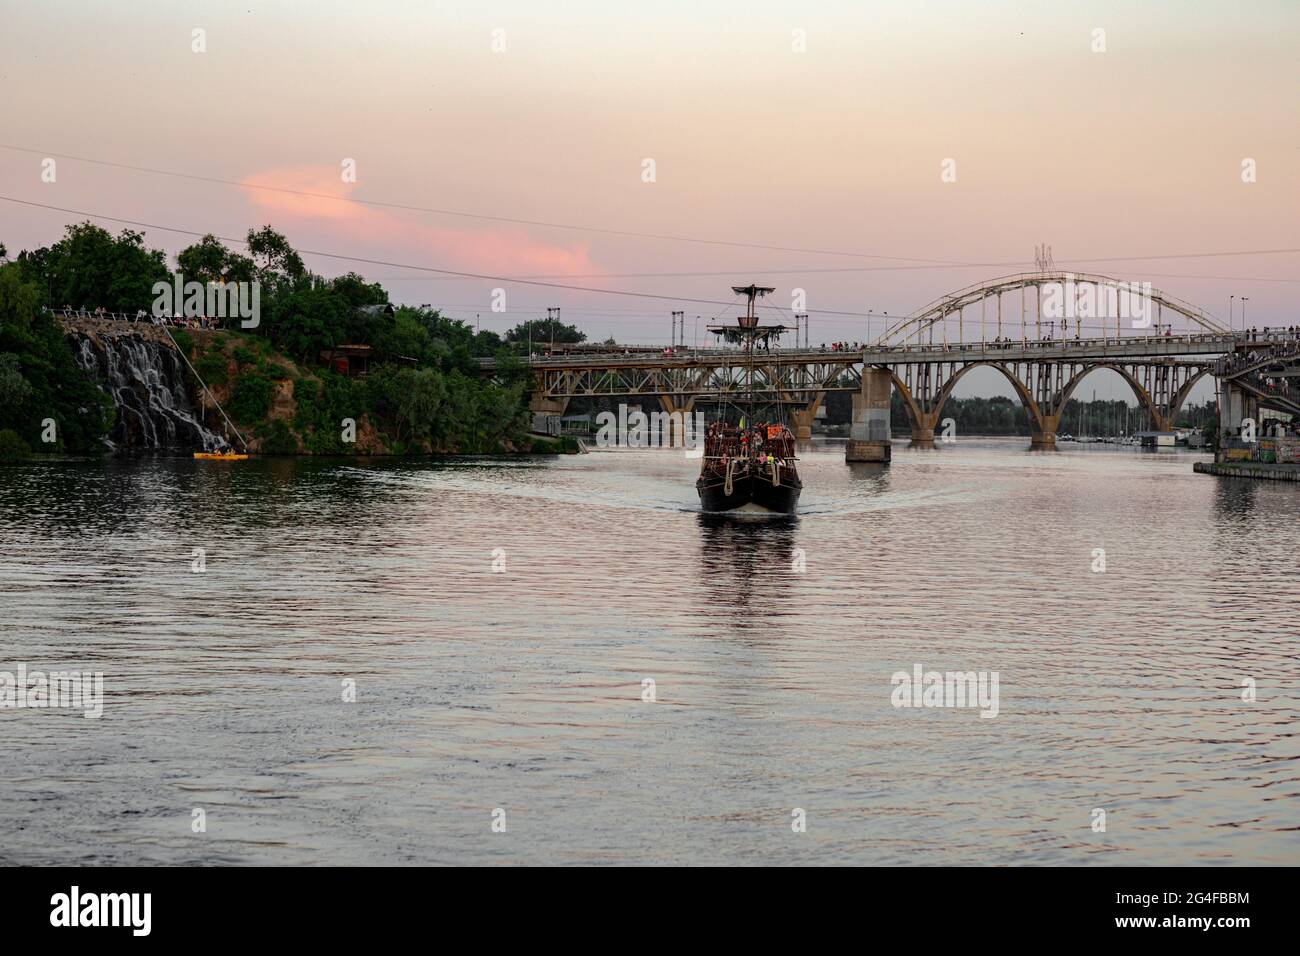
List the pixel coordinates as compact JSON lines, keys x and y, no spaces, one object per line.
{"x":1248,"y":469}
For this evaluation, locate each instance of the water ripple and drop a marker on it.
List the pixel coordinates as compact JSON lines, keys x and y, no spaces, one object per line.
{"x":771,"y":644}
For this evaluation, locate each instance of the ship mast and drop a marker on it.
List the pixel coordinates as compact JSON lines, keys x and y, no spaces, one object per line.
{"x":750,"y":323}
{"x":747,"y":331}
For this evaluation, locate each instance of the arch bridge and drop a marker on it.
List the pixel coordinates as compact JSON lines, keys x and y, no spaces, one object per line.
{"x":1044,"y":332}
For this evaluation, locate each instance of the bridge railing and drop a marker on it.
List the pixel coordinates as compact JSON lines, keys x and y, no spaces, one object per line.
{"x":638,"y":353}
{"x":1082,"y":344}
{"x":1277,"y":347}
{"x":1119,"y":345}
{"x":138,"y":317}
{"x":84,"y":313}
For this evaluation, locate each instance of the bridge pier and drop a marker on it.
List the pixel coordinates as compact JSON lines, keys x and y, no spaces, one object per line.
{"x":1160,"y":421}
{"x":923,"y":430}
{"x":1240,"y":405}
{"x":801,"y":419}
{"x":1042,"y":433}
{"x":869,"y":430}
{"x":545,"y":412}
{"x":678,"y":408}
{"x":1235,"y":406}
{"x":1044,"y":441}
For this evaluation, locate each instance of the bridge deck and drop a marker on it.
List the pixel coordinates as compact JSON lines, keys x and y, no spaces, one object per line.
{"x":1078,"y":350}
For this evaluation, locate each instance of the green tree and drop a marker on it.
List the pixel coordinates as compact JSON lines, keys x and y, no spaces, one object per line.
{"x":305,"y":320}
{"x":545,"y":331}
{"x":89,"y":267}
{"x":40,"y":379}
{"x":501,"y":415}
{"x":419,"y":396}
{"x":12,"y":447}
{"x":14,"y":389}
{"x":19,"y":300}
{"x":357,"y":292}
{"x":210,"y":261}
{"x":250,"y":399}
{"x":275,"y":260}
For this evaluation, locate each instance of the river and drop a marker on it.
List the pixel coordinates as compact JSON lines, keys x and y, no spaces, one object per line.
{"x":771,"y":645}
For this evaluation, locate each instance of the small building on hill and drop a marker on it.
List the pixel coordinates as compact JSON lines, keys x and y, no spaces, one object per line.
{"x":350,"y":360}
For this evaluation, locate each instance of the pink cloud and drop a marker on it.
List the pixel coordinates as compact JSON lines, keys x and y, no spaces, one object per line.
{"x":495,"y":251}
{"x":322,"y":181}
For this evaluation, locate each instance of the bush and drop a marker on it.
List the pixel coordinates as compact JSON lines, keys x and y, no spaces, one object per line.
{"x":251,"y":399}
{"x":323,"y":404}
{"x":184,"y":341}
{"x":244,"y":356}
{"x":12,"y":447}
{"x":212,"y":368}
{"x":277,"y":439}
{"x":40,"y":378}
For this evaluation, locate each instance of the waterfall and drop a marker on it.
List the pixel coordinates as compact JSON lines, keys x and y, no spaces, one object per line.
{"x":146,"y":381}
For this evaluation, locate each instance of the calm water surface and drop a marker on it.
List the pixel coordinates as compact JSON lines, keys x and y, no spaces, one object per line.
{"x":522,"y":690}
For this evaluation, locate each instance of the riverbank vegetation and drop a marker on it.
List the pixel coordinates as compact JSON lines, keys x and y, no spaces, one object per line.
{"x":46,"y":401}
{"x":282,"y":406}
{"x":420,"y":391}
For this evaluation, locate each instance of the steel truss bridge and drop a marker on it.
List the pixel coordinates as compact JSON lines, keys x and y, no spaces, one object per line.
{"x":925,"y":355}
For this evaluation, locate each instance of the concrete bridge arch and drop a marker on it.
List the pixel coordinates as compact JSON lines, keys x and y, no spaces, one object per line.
{"x":924,"y":412}
{"x":1044,"y":390}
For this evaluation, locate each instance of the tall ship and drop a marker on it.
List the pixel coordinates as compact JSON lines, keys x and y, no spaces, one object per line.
{"x":749,"y":464}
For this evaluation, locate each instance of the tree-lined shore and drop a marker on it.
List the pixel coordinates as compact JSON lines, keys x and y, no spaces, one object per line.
{"x":422,"y":393}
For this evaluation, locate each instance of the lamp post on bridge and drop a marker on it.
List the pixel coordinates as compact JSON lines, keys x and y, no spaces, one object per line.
{"x":552,"y":316}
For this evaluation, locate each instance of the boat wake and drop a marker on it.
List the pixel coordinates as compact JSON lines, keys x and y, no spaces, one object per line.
{"x":646,"y":494}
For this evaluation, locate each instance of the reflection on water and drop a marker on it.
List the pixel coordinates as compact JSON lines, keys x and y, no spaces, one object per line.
{"x":771,"y":642}
{"x":742,"y":553}
{"x":875,"y":472}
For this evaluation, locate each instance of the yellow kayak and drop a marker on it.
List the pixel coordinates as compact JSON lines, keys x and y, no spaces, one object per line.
{"x":219,"y":456}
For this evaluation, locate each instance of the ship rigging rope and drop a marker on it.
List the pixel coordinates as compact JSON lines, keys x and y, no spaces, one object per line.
{"x":186,"y":359}
{"x":721,"y":402}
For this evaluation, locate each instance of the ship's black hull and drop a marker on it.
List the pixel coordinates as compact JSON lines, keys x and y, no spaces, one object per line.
{"x":745,"y":490}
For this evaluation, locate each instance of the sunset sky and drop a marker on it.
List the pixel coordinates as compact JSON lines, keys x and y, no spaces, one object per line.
{"x":1135,"y":151}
